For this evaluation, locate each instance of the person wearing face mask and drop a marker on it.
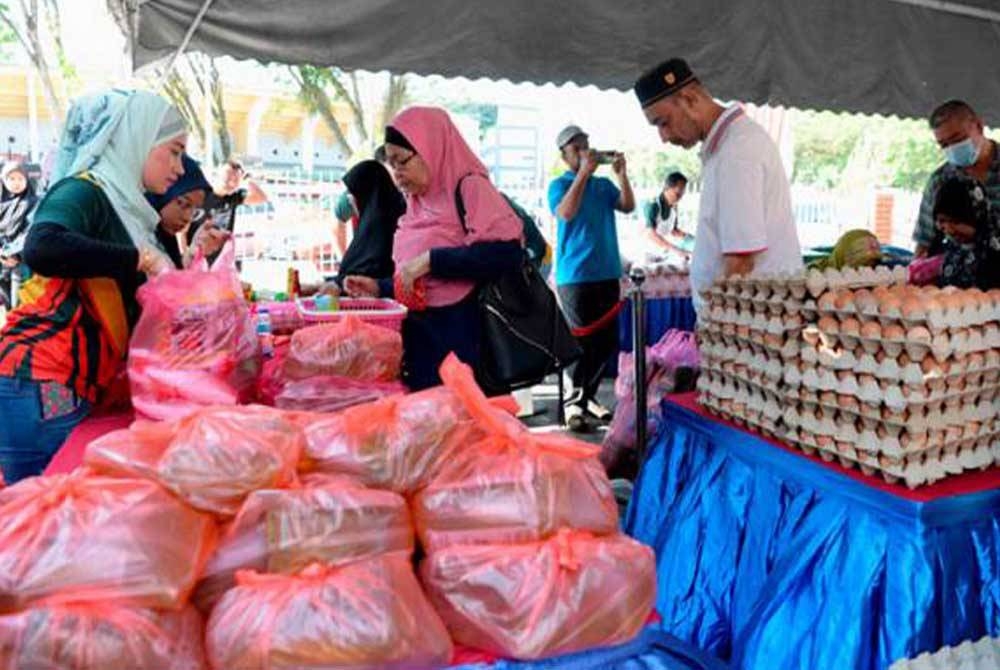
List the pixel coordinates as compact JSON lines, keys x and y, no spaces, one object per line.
{"x":745,"y":221}
{"x":958,"y":130}
{"x":91,"y":244}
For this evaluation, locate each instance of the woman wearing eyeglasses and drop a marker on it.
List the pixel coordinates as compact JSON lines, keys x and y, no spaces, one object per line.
{"x":178,"y":208}
{"x":440,"y":257}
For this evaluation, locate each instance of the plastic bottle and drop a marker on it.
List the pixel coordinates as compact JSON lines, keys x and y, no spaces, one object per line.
{"x":264,"y":334}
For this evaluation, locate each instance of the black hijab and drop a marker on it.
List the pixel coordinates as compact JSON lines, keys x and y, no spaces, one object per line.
{"x":14,"y":209}
{"x":379,"y":204}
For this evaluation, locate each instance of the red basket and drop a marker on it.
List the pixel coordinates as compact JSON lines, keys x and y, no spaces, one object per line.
{"x":378,"y":311}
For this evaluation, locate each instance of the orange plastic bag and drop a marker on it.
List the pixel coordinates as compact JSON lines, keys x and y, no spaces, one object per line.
{"x":212,"y":459}
{"x":369,"y":614}
{"x":527,"y":601}
{"x":347,"y":348}
{"x":82,"y":537}
{"x":328,"y":519}
{"x":512,"y":486}
{"x":195,"y":343}
{"x":397,"y":443}
{"x":101,"y":636}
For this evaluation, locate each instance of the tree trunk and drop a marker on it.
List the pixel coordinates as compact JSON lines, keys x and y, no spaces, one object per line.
{"x":31,"y":40}
{"x":315,"y":98}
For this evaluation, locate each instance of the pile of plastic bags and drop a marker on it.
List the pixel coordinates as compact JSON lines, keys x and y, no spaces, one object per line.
{"x":257,"y":538}
{"x":195,"y":344}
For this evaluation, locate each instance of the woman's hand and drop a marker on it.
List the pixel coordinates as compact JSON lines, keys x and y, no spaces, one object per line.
{"x":414,"y":269}
{"x":361,"y":287}
{"x":210,"y":239}
{"x":153,"y":262}
{"x":329,"y":288}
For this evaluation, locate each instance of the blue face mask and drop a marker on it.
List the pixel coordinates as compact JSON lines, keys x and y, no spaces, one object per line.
{"x":962,"y":154}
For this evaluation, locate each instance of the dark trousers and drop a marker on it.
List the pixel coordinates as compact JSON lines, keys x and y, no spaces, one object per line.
{"x":430,"y":335}
{"x":584,"y":304}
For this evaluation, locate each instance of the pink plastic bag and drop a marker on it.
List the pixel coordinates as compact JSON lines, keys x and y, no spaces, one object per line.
{"x":512,"y":486}
{"x":924,"y":271}
{"x":328,"y":393}
{"x":396,"y":443}
{"x":527,"y":601}
{"x":212,"y":459}
{"x":369,"y":614}
{"x":80,"y":537}
{"x":195,"y":343}
{"x":347,"y":348}
{"x":328,"y":519}
{"x":100,"y":636}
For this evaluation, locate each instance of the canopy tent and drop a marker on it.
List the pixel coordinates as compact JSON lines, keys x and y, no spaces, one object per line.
{"x":874,"y":56}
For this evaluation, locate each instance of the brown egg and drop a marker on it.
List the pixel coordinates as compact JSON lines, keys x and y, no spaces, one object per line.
{"x":881,"y":291}
{"x":828,"y":324}
{"x":919,"y":334}
{"x":893,"y":331}
{"x":912,"y":308}
{"x":850,"y":326}
{"x":903,"y":360}
{"x":889,"y":305}
{"x":929,"y":365}
{"x":871,"y":330}
{"x":844,"y":300}
{"x":827,"y":302}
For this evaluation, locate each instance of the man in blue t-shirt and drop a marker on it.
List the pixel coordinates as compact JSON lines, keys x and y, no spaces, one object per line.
{"x":588,"y":265}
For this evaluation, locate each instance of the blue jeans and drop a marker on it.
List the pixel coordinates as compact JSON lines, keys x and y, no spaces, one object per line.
{"x":28,"y":441}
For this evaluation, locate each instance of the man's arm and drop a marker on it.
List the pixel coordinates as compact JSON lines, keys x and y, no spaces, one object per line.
{"x":569,"y":207}
{"x":626,"y":199}
{"x":255,"y":194}
{"x":658,"y":239}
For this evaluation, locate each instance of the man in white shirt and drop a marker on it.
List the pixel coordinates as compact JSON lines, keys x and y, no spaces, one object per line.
{"x":745,"y":221}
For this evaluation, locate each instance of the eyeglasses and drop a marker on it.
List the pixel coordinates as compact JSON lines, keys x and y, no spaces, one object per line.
{"x":398,"y":165}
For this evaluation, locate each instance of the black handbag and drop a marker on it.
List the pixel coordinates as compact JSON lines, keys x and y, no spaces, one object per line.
{"x":524,"y":335}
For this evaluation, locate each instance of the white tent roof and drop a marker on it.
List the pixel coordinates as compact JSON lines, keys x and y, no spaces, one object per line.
{"x":874,"y":56}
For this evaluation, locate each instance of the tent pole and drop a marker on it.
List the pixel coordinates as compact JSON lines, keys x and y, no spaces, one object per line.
{"x":190,"y":33}
{"x":954,"y":8}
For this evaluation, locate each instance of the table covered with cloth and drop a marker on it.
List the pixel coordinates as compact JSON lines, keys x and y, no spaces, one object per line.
{"x":773,"y":560}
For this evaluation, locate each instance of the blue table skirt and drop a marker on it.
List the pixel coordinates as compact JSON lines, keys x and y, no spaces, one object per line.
{"x":652,"y":650}
{"x":662,"y":314}
{"x":770,"y":561}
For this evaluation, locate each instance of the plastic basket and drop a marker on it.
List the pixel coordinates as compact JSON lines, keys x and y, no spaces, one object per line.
{"x":378,"y":311}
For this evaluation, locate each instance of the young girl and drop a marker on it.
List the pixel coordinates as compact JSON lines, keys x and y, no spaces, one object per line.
{"x":972,"y":235}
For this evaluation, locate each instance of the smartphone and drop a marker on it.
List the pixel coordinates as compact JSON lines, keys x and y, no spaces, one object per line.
{"x":605,"y":157}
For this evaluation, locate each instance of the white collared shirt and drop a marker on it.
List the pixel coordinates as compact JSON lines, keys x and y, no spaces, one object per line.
{"x":745,"y":206}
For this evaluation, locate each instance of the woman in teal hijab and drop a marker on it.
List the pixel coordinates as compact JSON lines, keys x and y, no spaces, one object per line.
{"x":91,"y":242}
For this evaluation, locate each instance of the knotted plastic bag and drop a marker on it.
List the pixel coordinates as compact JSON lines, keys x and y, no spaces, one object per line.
{"x":328,"y":519}
{"x":367,"y":614}
{"x":527,"y":601}
{"x":81,"y":537}
{"x":212,"y":459}
{"x":346,"y":348}
{"x":511,"y":486}
{"x":99,"y":636}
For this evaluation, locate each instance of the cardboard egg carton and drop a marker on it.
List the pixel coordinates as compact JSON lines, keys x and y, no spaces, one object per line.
{"x":983,"y":654}
{"x":908,"y":307}
{"x":901,"y":368}
{"x":918,"y":342}
{"x":799,"y":286}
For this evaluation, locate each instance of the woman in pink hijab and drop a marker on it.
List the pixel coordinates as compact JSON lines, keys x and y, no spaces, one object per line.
{"x":441,"y":259}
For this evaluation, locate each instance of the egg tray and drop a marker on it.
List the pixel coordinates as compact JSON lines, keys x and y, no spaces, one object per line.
{"x":776,"y":322}
{"x":934,"y":311}
{"x":757,"y":365}
{"x":894,"y":368}
{"x":734,"y":309}
{"x":777,"y":345}
{"x":983,"y":654}
{"x":872,"y":392}
{"x":917,"y":342}
{"x":813,"y":282}
{"x":727,"y":387}
{"x":909,"y":421}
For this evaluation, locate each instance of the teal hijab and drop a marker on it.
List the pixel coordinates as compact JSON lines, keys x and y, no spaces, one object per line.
{"x":109,"y":135}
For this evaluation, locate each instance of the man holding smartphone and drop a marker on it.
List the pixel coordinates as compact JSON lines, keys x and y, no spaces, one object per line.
{"x":588,"y":263}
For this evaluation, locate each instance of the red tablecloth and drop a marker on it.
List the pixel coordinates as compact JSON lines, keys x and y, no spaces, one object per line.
{"x":969,"y":482}
{"x":70,"y":455}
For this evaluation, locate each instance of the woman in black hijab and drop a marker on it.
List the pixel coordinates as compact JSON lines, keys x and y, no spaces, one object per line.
{"x":379,"y":204}
{"x":17,"y":199}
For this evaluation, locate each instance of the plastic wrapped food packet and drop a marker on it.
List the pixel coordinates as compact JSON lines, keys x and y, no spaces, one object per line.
{"x":99,"y":636}
{"x":527,"y":601}
{"x":212,"y":459}
{"x":511,"y":486}
{"x":81,"y":537}
{"x":368,"y":614}
{"x":328,"y":519}
{"x":347,"y":348}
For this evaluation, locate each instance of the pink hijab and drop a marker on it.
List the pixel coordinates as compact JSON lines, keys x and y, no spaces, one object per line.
{"x":431,"y":219}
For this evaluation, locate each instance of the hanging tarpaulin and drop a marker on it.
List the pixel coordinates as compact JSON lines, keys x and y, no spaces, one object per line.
{"x":874,"y":56}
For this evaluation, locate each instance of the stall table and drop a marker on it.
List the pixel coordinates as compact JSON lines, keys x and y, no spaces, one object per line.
{"x":770,"y":559}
